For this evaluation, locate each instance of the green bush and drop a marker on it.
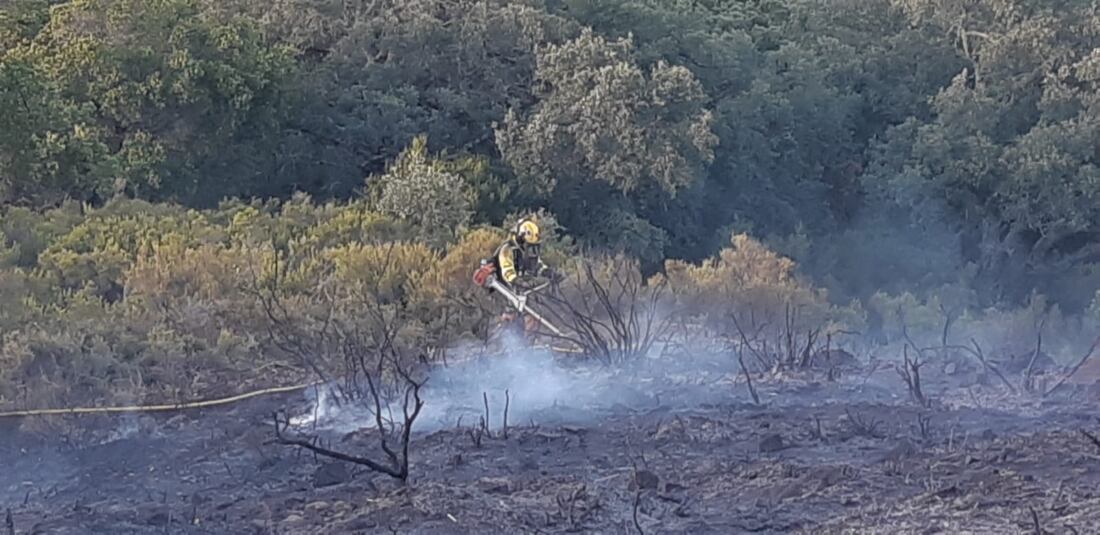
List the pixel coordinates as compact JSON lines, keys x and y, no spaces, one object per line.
{"x":754,"y":286}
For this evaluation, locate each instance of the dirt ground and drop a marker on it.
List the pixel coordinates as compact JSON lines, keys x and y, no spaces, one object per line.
{"x":841,"y":451}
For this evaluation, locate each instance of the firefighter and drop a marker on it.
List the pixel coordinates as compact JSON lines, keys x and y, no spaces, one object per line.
{"x":516,"y":259}
{"x":519,"y":255}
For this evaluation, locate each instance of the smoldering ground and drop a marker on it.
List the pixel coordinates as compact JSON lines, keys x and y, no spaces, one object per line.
{"x":673,"y":440}
{"x":533,"y":386}
{"x":532,"y":383}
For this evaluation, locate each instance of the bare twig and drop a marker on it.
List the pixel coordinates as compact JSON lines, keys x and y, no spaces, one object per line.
{"x":761,"y":356}
{"x":977,"y":352}
{"x":637,"y":502}
{"x":949,"y":317}
{"x":924,"y":426}
{"x":1092,"y":438}
{"x":1035,"y":521}
{"x":816,"y":432}
{"x":476,"y":433}
{"x":309,"y":445}
{"x":485,"y":421}
{"x":504,"y":425}
{"x":567,"y":506}
{"x":1028,"y":386}
{"x":1084,"y":359}
{"x":398,"y":466}
{"x":864,"y":427}
{"x":910,"y":373}
{"x":748,"y":378}
{"x":614,"y":320}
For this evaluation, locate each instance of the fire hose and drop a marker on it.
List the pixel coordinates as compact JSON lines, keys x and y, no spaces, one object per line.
{"x":519,"y":302}
{"x":154,"y":408}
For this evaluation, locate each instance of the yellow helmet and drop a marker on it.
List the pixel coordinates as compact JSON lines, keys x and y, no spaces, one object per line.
{"x":528,"y":231}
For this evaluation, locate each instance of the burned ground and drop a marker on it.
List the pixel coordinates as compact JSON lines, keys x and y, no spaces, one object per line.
{"x":649,"y":450}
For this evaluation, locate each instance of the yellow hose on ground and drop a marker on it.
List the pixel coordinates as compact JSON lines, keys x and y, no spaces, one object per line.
{"x":188,"y":405}
{"x":152,"y":408}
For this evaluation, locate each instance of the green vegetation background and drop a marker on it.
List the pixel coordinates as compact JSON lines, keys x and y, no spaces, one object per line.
{"x":895,"y":162}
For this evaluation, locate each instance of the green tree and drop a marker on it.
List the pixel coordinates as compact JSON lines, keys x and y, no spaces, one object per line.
{"x":1009,"y":154}
{"x":185,"y":104}
{"x":428,"y":193}
{"x":604,"y":128}
{"x":20,"y":21}
{"x":50,"y":146}
{"x":379,"y":74}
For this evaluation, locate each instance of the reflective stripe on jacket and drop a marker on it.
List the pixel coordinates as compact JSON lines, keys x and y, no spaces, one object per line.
{"x":513,"y":260}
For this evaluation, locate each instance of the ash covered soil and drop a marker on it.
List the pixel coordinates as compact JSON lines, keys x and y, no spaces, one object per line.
{"x":591,"y":450}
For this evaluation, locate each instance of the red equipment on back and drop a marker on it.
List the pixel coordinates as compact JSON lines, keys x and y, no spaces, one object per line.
{"x":481,"y":276}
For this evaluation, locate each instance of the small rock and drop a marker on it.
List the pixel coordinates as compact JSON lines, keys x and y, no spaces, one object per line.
{"x":902,"y":450}
{"x":330,"y":474}
{"x":176,"y":421}
{"x":646,"y":480}
{"x":317,"y":506}
{"x":988,"y":434}
{"x":674,"y":487}
{"x":951,"y":368}
{"x":772,"y":443}
{"x":495,"y":485}
{"x":826,"y":476}
{"x":834,"y":358}
{"x":949,"y":492}
{"x":290,"y":519}
{"x":787,"y":491}
{"x":159,"y":519}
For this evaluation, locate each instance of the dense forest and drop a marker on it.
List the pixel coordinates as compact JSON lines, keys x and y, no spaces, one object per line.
{"x":940,"y":155}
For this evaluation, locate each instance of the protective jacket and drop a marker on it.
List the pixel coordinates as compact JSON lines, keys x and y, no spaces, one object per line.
{"x":513,"y":260}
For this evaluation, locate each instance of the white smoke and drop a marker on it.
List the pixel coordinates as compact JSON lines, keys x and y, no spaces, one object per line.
{"x":529,"y":381}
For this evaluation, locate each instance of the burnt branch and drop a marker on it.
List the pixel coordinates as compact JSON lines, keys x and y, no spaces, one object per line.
{"x":866,"y":427}
{"x":476,"y":433}
{"x":1092,"y":438}
{"x":760,"y":354}
{"x":949,"y":317}
{"x":637,"y":503}
{"x":748,"y":379}
{"x":397,"y":465}
{"x":1072,"y":372}
{"x":310,"y":445}
{"x":909,"y":371}
{"x":1036,"y":526}
{"x":816,"y":432}
{"x":610,"y":313}
{"x":793,"y":347}
{"x":1028,"y":384}
{"x":568,"y":506}
{"x":504,"y":424}
{"x":924,"y":426}
{"x":977,"y":352}
{"x":485,"y":420}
